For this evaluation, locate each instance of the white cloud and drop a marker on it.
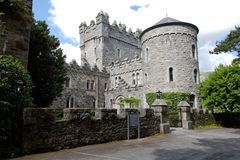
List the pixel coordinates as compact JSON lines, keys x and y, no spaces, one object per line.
{"x":71,"y":52}
{"x":209,"y":16}
{"x":209,"y":61}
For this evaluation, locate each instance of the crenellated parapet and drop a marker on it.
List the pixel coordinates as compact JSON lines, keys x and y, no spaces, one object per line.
{"x":74,"y":68}
{"x":117,"y":31}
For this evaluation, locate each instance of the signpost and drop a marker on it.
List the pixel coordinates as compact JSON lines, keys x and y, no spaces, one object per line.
{"x":133,"y":120}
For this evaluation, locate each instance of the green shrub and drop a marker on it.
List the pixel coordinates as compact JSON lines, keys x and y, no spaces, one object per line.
{"x":15,"y":91}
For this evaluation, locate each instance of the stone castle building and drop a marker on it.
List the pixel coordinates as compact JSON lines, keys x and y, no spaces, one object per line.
{"x":117,"y":63}
{"x":15,"y":32}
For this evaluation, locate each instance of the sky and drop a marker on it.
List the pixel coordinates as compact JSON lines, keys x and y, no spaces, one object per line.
{"x":214,"y":18}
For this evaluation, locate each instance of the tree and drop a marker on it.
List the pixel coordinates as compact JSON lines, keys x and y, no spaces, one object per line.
{"x":15,"y":94}
{"x":131,"y":101}
{"x":46,"y":64}
{"x":220,"y":91}
{"x":230,"y":44}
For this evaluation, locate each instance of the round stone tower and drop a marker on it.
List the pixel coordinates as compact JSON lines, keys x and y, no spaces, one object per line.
{"x":170,"y":57}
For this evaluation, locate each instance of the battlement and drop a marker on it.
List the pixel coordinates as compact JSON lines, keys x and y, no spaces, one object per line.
{"x":86,"y":69}
{"x":120,"y":29}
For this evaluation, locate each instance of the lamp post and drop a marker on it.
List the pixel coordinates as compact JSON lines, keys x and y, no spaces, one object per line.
{"x":158,"y":94}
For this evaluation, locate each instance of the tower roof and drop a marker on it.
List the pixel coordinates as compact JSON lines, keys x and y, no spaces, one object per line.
{"x":168,"y":21}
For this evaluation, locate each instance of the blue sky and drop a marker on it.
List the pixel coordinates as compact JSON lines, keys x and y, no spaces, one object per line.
{"x":214,"y":19}
{"x":41,"y":12}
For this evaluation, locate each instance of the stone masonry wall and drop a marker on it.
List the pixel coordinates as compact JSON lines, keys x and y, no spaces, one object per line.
{"x":171,"y":47}
{"x":83,"y":96}
{"x":80,"y":127}
{"x":17,"y":35}
{"x":102,"y":43}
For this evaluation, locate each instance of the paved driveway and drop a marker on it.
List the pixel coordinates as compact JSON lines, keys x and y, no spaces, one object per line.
{"x":207,"y":144}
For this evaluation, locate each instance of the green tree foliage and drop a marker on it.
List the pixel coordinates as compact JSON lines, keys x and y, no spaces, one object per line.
{"x":13,"y":6}
{"x":230,"y":44}
{"x":46,"y":64}
{"x":15,"y":93}
{"x":132,"y":101}
{"x":171,"y":98}
{"x":221,"y":90}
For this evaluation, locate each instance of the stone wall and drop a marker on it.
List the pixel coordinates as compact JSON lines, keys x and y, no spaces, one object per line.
{"x":17,"y":35}
{"x":102,"y":43}
{"x":168,"y":47}
{"x":79,"y":94}
{"x":80,"y":127}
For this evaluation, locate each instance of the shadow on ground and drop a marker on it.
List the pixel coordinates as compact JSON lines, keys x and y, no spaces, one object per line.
{"x":204,"y":149}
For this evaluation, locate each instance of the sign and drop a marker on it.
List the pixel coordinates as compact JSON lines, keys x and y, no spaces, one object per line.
{"x":133,"y":120}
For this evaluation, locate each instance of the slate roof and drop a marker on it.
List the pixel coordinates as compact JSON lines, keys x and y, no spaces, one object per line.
{"x":168,"y":21}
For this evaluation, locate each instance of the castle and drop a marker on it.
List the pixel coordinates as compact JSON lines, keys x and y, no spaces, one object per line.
{"x":116,"y":63}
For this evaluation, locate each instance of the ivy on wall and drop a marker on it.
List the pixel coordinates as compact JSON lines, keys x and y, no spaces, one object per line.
{"x":13,"y":6}
{"x":172,"y":98}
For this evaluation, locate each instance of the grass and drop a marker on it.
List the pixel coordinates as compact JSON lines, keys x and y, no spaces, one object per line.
{"x":208,"y":126}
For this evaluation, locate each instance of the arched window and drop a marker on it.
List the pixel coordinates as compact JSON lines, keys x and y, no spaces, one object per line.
{"x":195,"y":76}
{"x":133,"y":79}
{"x":138,"y":78}
{"x":92,"y":85}
{"x":67,"y":84}
{"x":94,"y":103}
{"x":119,"y":53}
{"x":170,"y":74}
{"x":68,"y":102}
{"x":193,"y":51}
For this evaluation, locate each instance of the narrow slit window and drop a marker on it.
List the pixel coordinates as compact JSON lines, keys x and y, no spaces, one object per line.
{"x":171,"y":74}
{"x":195,"y":75}
{"x":88,"y":84}
{"x":193,"y":51}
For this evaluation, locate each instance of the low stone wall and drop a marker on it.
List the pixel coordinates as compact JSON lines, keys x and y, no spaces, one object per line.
{"x":41,"y":132}
{"x":201,"y":118}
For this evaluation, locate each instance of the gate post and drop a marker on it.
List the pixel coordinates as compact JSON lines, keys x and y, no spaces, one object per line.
{"x":185,"y":115}
{"x":160,"y":109}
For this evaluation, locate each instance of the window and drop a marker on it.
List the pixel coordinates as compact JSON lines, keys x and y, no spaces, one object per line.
{"x":105,"y":86}
{"x":67,"y":83}
{"x":170,"y":74}
{"x":119,"y":53}
{"x":72,"y":103}
{"x":195,"y":75}
{"x":67,"y":102}
{"x":95,"y":51}
{"x":85,"y":54}
{"x":116,"y":83}
{"x":193,"y":51}
{"x":147,"y":55}
{"x":138,"y":78}
{"x":146,"y":77}
{"x":92,"y":85}
{"x":133,"y":79}
{"x":88,"y":84}
{"x":93,"y":103}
